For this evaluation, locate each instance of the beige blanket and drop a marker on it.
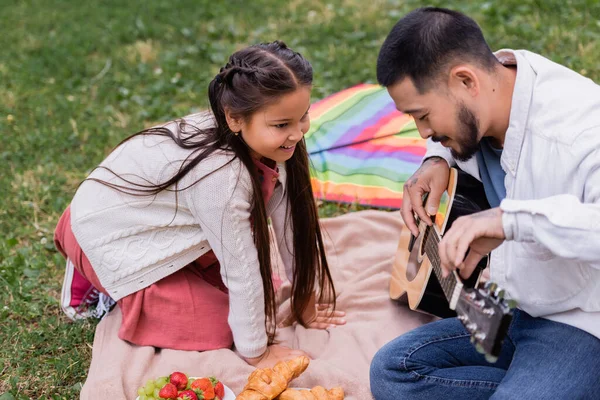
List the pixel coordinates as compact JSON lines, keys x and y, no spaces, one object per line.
{"x":360,"y":247}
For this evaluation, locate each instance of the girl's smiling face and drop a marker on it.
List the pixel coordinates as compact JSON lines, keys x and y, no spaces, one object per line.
{"x":273,"y":131}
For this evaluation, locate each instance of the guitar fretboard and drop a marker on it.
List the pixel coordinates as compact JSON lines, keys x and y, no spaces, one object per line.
{"x":451,"y":285}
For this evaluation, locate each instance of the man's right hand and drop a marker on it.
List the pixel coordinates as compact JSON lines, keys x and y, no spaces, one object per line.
{"x":432,"y":177}
{"x":273,"y":355}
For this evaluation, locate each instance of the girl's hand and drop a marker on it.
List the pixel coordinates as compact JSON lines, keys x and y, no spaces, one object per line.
{"x":317,"y":316}
{"x":320,"y":316}
{"x":273,"y":355}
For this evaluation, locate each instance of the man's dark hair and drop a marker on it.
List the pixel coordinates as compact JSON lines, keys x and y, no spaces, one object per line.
{"x":426,"y":42}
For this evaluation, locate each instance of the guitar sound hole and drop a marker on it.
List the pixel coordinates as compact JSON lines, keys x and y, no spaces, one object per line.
{"x":416,"y":256}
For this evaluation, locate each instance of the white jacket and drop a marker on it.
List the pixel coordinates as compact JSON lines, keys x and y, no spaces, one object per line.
{"x":550,"y":262}
{"x":134,"y":241}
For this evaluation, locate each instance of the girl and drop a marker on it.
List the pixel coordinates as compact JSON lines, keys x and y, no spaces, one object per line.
{"x":173,"y":224}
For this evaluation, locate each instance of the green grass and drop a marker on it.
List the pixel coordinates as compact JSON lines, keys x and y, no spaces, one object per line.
{"x":76,"y":78}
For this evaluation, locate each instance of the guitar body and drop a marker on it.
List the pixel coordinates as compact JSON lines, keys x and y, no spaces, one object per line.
{"x":413,"y":279}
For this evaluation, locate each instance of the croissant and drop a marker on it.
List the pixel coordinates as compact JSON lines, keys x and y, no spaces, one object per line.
{"x":268,"y":383}
{"x":316,"y":393}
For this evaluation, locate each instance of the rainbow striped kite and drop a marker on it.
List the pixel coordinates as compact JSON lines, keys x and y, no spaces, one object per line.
{"x":362,"y":149}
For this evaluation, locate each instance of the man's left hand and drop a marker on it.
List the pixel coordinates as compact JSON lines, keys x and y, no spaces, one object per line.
{"x":480,"y":232}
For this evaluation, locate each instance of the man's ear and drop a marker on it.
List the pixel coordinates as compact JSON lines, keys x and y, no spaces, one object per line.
{"x":234,"y":122}
{"x":463,"y":77}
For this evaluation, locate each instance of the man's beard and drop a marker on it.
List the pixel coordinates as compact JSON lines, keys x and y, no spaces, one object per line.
{"x":469,"y":130}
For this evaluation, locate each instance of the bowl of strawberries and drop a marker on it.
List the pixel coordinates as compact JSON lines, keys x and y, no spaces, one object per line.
{"x":179,"y":386}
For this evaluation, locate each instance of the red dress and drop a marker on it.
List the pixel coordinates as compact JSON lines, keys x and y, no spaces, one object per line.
{"x":187,"y":310}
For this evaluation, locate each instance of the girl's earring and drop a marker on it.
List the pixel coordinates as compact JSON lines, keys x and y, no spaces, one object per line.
{"x":236,"y":133}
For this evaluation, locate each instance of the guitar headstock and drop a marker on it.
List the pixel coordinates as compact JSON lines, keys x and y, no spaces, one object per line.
{"x":486,"y":314}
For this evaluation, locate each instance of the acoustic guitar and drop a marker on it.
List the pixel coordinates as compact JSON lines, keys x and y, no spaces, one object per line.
{"x":417,"y":274}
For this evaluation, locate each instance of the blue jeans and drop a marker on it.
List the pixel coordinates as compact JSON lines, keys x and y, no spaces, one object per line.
{"x":540,"y":359}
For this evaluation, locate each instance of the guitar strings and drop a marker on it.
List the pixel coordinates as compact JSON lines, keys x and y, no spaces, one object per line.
{"x":448,"y":284}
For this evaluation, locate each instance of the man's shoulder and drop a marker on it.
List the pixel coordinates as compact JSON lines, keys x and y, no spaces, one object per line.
{"x":564,"y":103}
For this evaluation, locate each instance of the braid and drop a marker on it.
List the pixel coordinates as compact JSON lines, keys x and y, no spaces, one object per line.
{"x":235,"y":66}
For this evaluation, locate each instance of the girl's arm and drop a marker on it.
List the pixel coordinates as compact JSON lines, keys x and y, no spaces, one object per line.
{"x":221,"y":202}
{"x":318,"y":316}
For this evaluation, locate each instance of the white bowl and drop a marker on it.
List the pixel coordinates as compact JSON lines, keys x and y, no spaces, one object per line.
{"x":229,"y":395}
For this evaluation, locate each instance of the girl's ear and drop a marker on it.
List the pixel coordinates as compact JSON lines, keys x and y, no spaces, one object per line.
{"x":234,"y":123}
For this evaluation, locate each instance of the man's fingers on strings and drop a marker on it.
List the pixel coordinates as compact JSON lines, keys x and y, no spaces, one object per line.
{"x":408,"y":217}
{"x":462,"y":247}
{"x":416,"y":200}
{"x":443,"y":250}
{"x":470,"y":263}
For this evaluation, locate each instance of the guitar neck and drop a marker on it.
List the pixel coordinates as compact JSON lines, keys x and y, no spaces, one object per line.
{"x":451,"y":285}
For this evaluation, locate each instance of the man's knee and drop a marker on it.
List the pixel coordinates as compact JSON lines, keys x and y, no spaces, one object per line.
{"x":389,"y":377}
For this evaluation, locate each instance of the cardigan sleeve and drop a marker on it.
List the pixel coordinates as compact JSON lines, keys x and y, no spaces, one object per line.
{"x":221,"y":202}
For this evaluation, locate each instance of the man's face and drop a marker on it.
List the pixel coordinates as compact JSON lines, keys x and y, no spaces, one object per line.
{"x":439,"y":114}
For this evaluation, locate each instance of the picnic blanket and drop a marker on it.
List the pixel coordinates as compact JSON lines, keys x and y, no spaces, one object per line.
{"x":360,"y":248}
{"x":361,"y":148}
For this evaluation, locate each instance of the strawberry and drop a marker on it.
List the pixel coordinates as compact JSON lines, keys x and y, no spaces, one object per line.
{"x":169,"y":391}
{"x":179,"y":380}
{"x":204,"y":387}
{"x":219,"y":388}
{"x":188,"y":395}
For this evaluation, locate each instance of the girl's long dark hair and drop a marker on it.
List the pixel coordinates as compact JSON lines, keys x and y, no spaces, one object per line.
{"x":253,"y":78}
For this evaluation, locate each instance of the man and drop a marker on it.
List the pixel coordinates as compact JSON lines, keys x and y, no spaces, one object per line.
{"x":529,"y":129}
